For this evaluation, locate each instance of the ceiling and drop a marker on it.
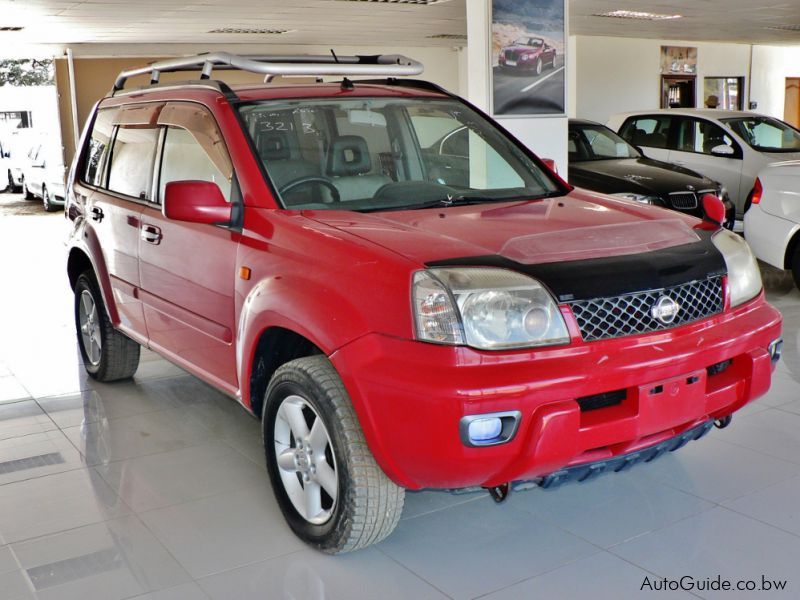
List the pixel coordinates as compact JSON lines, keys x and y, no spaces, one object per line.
{"x":369,"y":22}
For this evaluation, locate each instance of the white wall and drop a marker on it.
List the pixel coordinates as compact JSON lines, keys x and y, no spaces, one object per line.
{"x":622,"y":74}
{"x":771,"y":66}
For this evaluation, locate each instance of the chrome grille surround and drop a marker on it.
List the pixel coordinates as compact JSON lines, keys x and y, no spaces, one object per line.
{"x":631,"y":314}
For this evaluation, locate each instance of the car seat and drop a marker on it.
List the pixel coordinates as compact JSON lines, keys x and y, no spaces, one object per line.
{"x":349,"y":164}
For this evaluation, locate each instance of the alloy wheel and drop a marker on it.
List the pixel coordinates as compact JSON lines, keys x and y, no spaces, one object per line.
{"x":306,"y":462}
{"x":90,"y":328}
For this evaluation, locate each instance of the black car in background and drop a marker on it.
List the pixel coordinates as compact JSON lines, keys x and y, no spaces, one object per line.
{"x":602,"y":161}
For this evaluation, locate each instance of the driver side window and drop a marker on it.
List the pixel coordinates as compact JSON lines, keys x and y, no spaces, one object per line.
{"x":193,"y":149}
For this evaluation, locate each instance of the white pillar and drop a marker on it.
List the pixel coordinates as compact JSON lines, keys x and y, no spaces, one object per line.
{"x":544,"y":135}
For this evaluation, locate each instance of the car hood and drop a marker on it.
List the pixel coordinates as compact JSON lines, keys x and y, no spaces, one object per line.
{"x":645,"y":173}
{"x":523,"y":49}
{"x":581,"y":225}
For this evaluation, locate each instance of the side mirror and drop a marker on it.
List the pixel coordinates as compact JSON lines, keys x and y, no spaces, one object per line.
{"x":196,"y":202}
{"x":713,"y":211}
{"x":723,"y":150}
{"x":551,"y":164}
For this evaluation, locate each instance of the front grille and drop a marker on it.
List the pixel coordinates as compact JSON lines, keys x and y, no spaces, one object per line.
{"x":512,"y":55}
{"x":683,"y":200}
{"x":632,"y":314}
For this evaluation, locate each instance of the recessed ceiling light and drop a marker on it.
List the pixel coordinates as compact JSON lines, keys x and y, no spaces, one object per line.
{"x":11,"y":28}
{"x":253,"y":30}
{"x":414,"y":2}
{"x":642,"y":16}
{"x":448,"y":36}
{"x":784,"y":27}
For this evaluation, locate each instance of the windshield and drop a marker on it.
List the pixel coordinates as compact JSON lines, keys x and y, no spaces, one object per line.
{"x":371,"y":154}
{"x":766,"y":134}
{"x":524,"y":41}
{"x":595,"y":142}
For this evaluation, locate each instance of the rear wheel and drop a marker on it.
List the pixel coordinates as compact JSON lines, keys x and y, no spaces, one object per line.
{"x":796,"y":267}
{"x":107,"y":354}
{"x":47,"y":200}
{"x":9,"y":185}
{"x":331,"y":491}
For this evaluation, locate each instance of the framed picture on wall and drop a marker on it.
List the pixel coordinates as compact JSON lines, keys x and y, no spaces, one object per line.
{"x":528,"y":57}
{"x":678,"y":59}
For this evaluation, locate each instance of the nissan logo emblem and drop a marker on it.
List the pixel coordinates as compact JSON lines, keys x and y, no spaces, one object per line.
{"x":665,"y":310}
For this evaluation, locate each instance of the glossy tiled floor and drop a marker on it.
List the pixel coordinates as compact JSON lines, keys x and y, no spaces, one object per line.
{"x":155,"y":488}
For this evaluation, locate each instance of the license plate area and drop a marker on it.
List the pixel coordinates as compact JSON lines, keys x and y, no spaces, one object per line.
{"x":672,"y":401}
{"x":511,"y":63}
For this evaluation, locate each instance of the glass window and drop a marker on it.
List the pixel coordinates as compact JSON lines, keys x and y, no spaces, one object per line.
{"x":766,"y":134}
{"x":97,"y":151}
{"x":695,"y":135}
{"x":131,"y":171}
{"x":597,"y":143}
{"x":185,"y":159}
{"x":387,"y":154}
{"x":649,"y":131}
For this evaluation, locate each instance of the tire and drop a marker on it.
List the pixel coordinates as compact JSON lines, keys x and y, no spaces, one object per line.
{"x":537,"y":68}
{"x":9,"y":187}
{"x":796,"y":267}
{"x":359,"y":505}
{"x":26,"y":192}
{"x":48,"y":205}
{"x":108,"y":355}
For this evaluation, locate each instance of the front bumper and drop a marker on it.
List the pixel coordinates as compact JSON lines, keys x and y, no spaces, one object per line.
{"x":410,"y":396}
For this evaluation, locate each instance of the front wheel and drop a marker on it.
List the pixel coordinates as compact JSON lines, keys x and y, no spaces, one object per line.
{"x":537,"y":68}
{"x":796,"y":267}
{"x":107,"y":354}
{"x":47,"y":200}
{"x":331,"y":491}
{"x":26,"y":192}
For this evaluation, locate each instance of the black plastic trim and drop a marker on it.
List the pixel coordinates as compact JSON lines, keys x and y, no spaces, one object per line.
{"x":614,"y":275}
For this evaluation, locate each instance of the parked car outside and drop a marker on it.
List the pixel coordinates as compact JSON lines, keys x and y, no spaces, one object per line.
{"x":294,"y":247}
{"x":728,"y":146}
{"x":772,"y":223}
{"x":527,"y":54}
{"x":43,"y":175}
{"x":15,"y":145}
{"x":602,"y":161}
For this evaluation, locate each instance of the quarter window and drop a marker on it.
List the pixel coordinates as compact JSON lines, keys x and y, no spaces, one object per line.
{"x":99,"y":143}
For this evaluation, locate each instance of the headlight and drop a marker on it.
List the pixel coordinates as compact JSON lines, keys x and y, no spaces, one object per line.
{"x":486,"y":308}
{"x":744,"y":278}
{"x":643,"y":198}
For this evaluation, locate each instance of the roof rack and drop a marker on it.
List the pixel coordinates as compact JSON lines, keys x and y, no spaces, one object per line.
{"x":388,"y":65}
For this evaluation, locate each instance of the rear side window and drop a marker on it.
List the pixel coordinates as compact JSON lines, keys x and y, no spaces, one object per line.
{"x":650,"y":131}
{"x":132,"y":156}
{"x":99,"y":147}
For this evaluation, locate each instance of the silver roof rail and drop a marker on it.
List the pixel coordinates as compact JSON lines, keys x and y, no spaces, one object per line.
{"x":384,"y":65}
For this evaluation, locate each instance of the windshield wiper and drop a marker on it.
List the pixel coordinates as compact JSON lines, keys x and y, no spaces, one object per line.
{"x":461,"y":200}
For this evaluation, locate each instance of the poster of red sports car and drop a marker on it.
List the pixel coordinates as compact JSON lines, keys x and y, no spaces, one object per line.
{"x":528,"y":57}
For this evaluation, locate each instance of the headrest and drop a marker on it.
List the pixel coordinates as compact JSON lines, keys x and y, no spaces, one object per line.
{"x":273,"y":145}
{"x":349,"y":155}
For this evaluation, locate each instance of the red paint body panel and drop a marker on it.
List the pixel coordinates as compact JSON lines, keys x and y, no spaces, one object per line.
{"x":342,"y":280}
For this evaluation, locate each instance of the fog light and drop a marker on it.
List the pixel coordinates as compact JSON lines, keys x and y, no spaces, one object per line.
{"x":489,"y":429}
{"x":484,"y":430}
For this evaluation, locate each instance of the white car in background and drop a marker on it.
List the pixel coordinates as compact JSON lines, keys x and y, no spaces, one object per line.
{"x":772,"y":224}
{"x":14,"y":146}
{"x":43,"y":175}
{"x":728,"y":146}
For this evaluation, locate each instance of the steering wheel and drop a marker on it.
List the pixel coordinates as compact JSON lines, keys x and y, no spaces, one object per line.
{"x":323,"y":181}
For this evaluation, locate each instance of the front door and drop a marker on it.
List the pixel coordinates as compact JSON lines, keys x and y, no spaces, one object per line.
{"x":188,"y":269}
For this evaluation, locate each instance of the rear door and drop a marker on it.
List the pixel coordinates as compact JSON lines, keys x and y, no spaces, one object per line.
{"x":188,"y":269}
{"x":651,"y":133}
{"x":119,"y":168}
{"x":694,"y":141}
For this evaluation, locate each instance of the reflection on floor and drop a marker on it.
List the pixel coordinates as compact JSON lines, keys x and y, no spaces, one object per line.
{"x":155,"y":488}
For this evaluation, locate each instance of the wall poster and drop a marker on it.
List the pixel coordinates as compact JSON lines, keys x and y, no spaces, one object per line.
{"x":528,"y":57}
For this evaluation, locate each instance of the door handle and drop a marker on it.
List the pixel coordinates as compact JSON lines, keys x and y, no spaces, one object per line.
{"x":97,"y":213}
{"x":151,"y":234}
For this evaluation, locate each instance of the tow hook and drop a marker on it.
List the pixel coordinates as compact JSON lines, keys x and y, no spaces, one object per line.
{"x":723,"y":422}
{"x":499,"y":492}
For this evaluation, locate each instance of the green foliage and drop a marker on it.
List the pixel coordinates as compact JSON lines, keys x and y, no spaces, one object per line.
{"x":26,"y":72}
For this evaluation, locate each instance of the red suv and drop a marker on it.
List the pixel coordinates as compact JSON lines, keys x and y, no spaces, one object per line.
{"x":401,"y":313}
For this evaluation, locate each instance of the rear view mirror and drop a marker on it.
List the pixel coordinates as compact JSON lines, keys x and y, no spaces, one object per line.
{"x":723,"y":150}
{"x":196,"y":202}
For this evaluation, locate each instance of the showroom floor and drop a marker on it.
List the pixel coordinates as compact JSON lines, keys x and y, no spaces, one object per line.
{"x":156,"y":488}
